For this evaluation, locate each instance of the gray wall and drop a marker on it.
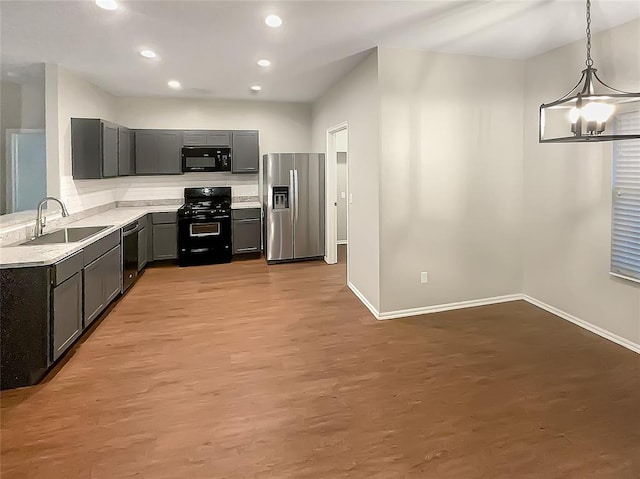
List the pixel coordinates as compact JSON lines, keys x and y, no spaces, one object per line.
{"x":355,"y":99}
{"x":10,"y":118}
{"x":450,"y":178}
{"x":567,"y":193}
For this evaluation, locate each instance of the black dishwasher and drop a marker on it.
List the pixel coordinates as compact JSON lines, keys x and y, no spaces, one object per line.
{"x":129,"y":255}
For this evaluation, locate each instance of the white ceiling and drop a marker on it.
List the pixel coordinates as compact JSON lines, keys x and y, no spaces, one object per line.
{"x":212,"y":47}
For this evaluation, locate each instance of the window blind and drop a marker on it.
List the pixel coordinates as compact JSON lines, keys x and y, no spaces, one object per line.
{"x":625,"y":238}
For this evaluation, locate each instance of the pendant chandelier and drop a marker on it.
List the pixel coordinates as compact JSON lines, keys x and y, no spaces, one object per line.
{"x":590,"y":110}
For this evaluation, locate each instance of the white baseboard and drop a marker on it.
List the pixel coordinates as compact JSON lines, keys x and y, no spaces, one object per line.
{"x":438,"y":308}
{"x":584,"y":324}
{"x":341,"y":242}
{"x":364,"y":300}
{"x":495,"y":300}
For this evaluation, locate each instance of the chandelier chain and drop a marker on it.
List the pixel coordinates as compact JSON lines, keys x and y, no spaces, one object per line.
{"x":589,"y":61}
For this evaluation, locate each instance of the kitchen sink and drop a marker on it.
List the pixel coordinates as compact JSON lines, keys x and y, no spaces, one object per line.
{"x":66,"y":235}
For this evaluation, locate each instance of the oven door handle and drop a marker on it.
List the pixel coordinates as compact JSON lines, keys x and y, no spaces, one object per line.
{"x":207,"y":218}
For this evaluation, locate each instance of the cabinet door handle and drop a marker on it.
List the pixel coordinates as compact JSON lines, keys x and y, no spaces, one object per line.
{"x":250,"y":220}
{"x":253,"y":248}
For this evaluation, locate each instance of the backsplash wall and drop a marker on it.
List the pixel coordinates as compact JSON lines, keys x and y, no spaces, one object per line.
{"x":170,"y":187}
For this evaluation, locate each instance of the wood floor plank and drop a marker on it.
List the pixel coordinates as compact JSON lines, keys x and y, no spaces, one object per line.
{"x":245,"y":370}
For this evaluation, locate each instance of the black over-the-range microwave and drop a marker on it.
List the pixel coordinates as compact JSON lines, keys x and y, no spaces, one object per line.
{"x":206,"y":158}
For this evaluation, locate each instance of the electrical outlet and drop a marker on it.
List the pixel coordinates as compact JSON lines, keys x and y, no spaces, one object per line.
{"x":424,"y":277}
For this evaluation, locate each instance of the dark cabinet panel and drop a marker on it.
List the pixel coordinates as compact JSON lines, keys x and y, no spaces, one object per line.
{"x":143,"y":241}
{"x":24,"y":325}
{"x":109,"y":150}
{"x":94,"y":148}
{"x":192,"y":138}
{"x":146,"y":148}
{"x":102,"y":283}
{"x":165,"y":241}
{"x":93,"y":292}
{"x":247,"y":230}
{"x":164,"y":217}
{"x":169,"y":152}
{"x":245,"y":151}
{"x":111,"y":267}
{"x":219,"y":138}
{"x":246,"y":236}
{"x":126,"y":165}
{"x":207,"y":137}
{"x":67,"y":314}
{"x":149,"y":239}
{"x":158,"y":152}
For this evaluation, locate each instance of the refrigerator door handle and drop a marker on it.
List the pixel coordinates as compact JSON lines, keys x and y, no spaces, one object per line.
{"x":292,"y":203}
{"x":295,"y":176}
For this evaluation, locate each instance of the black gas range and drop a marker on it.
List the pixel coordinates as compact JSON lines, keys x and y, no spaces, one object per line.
{"x":204,"y":226}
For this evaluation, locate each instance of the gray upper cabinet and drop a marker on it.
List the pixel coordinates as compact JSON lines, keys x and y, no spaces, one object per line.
{"x":109,"y":150}
{"x":207,"y":137}
{"x":67,"y":314}
{"x":146,"y":152}
{"x":169,"y":152}
{"x":126,"y":164}
{"x":245,"y":151}
{"x":157,"y":152}
{"x":94,"y":148}
{"x":219,"y":138}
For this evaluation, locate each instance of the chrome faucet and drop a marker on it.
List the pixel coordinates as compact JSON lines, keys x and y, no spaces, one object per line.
{"x":41,"y":221}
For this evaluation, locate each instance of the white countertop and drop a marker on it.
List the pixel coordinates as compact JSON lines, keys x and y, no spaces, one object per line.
{"x":246,"y":205}
{"x":42,"y":255}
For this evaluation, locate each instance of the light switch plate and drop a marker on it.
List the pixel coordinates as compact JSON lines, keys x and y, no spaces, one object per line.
{"x":424,"y":277}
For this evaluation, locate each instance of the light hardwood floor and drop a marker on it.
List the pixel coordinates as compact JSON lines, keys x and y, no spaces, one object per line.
{"x":248,"y":371}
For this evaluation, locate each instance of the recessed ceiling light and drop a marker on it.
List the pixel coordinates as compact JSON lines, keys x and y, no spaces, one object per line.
{"x":274,"y":21}
{"x":175,"y":84}
{"x":256,"y":88}
{"x":148,"y":53}
{"x":107,"y":4}
{"x":264,"y":63}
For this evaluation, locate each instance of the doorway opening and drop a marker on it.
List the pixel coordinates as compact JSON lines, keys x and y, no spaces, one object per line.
{"x":337,"y":195}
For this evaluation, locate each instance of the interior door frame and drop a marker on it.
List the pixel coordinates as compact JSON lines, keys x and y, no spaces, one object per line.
{"x":331,"y":195}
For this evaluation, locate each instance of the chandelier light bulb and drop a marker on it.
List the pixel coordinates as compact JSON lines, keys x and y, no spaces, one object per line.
{"x":574,"y":114}
{"x":598,"y":112}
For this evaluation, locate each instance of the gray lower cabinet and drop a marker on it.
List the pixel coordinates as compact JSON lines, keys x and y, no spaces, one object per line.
{"x":143,"y":242}
{"x":158,"y":152}
{"x":247,"y":229}
{"x":67,"y":314}
{"x":149,"y":238}
{"x":245,"y":151}
{"x":102,"y":283}
{"x":165,"y":241}
{"x":94,"y":148}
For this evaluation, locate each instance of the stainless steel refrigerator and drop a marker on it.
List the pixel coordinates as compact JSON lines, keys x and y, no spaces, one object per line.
{"x":293,"y":202}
